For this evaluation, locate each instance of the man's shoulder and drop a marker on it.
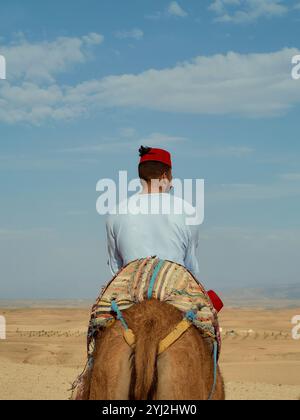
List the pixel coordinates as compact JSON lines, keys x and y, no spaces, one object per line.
{"x":156,"y":204}
{"x":116,"y":214}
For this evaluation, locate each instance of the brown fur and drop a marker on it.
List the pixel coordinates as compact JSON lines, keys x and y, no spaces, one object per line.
{"x":183,"y":372}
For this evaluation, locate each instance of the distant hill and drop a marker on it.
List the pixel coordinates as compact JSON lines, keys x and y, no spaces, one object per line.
{"x":265,"y":297}
{"x":45,"y":303}
{"x":288,"y":295}
{"x":283,"y":292}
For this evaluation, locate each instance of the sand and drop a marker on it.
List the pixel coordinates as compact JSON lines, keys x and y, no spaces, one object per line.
{"x":45,"y":350}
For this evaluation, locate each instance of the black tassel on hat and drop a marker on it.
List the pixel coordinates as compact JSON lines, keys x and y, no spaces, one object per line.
{"x":144,"y":150}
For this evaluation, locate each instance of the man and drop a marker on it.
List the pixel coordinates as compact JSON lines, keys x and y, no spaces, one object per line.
{"x":155,"y":220}
{"x":149,"y":238}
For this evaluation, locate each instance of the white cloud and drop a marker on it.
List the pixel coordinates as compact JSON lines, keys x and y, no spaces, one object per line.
{"x":245,"y":11}
{"x":251,"y":85}
{"x":33,"y":103}
{"x":245,"y":84}
{"x":42,"y":61}
{"x":93,"y":38}
{"x":175,"y":9}
{"x":136,"y":33}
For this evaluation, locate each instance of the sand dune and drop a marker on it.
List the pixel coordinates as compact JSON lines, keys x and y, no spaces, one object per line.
{"x":45,"y":350}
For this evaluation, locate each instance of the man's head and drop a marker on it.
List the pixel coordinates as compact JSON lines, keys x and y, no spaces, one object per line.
{"x":155,"y":169}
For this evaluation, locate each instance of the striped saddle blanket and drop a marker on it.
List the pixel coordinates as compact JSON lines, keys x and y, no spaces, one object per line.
{"x":159,"y":279}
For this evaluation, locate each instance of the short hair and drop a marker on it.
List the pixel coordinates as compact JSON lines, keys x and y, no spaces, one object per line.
{"x":153,"y":170}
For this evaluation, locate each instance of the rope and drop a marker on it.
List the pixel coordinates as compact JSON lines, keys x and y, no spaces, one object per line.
{"x":215,"y":358}
{"x":127,"y":333}
{"x":190,"y":315}
{"x":115,"y":308}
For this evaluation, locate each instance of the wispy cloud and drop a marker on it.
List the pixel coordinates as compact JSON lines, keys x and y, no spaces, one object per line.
{"x":88,"y":154}
{"x":108,"y":147}
{"x":220,"y":152}
{"x":291,"y":176}
{"x":128,"y":132}
{"x":51,"y":162}
{"x":6,"y":233}
{"x":77,"y":213}
{"x":136,"y":34}
{"x":173,"y":10}
{"x":159,"y":139}
{"x":131,"y":143}
{"x":246,"y":11}
{"x":252,"y":192}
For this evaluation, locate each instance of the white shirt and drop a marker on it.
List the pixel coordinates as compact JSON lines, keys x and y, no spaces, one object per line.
{"x":140,"y":233}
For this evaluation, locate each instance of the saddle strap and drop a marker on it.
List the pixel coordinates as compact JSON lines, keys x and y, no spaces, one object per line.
{"x":165,"y":343}
{"x":180,"y":329}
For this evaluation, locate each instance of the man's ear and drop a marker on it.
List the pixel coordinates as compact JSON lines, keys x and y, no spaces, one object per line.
{"x":169,"y":175}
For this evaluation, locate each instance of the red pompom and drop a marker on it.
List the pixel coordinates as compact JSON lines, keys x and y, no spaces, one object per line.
{"x":215,"y":300}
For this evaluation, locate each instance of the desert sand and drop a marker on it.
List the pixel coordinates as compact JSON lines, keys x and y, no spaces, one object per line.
{"x":45,"y":349}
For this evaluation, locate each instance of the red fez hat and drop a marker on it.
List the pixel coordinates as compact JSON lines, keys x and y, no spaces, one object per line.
{"x":157,"y":155}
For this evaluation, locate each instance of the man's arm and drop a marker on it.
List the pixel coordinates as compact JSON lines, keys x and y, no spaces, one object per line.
{"x":191,"y":258}
{"x":115,"y":262}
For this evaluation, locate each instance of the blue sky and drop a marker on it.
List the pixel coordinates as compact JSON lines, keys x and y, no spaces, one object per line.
{"x":87,"y":83}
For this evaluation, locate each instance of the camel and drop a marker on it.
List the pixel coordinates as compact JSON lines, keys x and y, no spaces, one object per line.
{"x":184,"y":371}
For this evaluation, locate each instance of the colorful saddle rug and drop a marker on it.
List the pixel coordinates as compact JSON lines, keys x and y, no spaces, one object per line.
{"x":144,"y":279}
{"x":159,"y":279}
